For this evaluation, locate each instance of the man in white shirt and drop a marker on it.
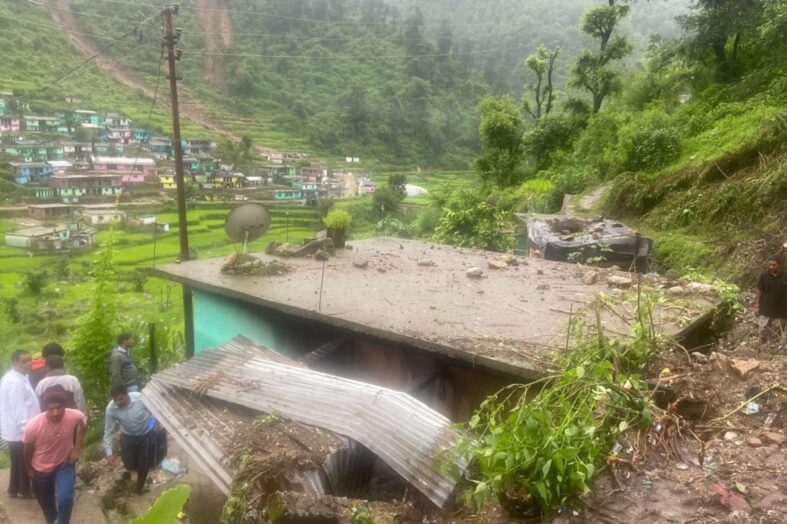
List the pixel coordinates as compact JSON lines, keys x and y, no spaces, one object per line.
{"x":18,"y":404}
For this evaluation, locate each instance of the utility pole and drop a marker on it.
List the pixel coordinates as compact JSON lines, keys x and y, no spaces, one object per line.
{"x":171,"y":37}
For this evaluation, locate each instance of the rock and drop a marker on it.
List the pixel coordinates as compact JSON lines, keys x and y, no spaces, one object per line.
{"x":542,"y":287}
{"x":511,"y":260}
{"x":474,"y":272}
{"x":744,"y":367}
{"x":730,"y":436}
{"x":671,"y":275}
{"x":719,"y":361}
{"x":321,"y":235}
{"x":701,"y":287}
{"x":700,"y":357}
{"x":230,"y":261}
{"x":496,"y":264}
{"x":291,"y":250}
{"x":361,"y":262}
{"x":619,"y":282}
{"x":731,"y":500}
{"x":775,"y":438}
{"x":754,"y":442}
{"x":676,"y":291}
{"x":426,"y":262}
{"x":590,"y":278}
{"x":322,"y":255}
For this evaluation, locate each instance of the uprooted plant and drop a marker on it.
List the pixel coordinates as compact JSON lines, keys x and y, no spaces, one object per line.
{"x":535,"y":446}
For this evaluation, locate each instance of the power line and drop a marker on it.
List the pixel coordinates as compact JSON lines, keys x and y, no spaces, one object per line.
{"x":245,"y":34}
{"x":294,"y":18}
{"x":86,"y":61}
{"x":268,"y":56}
{"x":80,"y":13}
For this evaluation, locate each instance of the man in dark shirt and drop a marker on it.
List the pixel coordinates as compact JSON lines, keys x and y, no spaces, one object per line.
{"x":122,"y":370}
{"x":771,"y":303}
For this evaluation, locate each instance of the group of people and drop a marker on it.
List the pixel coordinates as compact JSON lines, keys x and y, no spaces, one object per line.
{"x":43,"y":419}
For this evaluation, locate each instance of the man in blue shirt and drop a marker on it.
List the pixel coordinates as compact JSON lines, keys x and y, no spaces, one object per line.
{"x":143,"y":442}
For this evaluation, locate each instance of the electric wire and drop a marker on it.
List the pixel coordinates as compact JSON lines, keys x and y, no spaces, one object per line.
{"x":191,"y":30}
{"x":293,"y":18}
{"x":269,"y":56}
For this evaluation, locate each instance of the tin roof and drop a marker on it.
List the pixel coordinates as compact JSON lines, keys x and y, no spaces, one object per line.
{"x":403,"y":432}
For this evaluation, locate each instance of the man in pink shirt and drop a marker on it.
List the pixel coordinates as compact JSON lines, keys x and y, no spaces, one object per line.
{"x":51,"y":451}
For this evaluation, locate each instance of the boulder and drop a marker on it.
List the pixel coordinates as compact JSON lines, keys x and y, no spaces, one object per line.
{"x":474,"y":272}
{"x":744,"y":366}
{"x":590,"y":278}
{"x":619,"y":282}
{"x":496,"y":264}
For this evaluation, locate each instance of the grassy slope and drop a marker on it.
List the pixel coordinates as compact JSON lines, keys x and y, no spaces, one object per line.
{"x":725,"y":190}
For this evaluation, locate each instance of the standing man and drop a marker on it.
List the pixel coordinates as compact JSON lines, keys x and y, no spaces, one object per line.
{"x":39,"y":368}
{"x":770,"y":306}
{"x":51,"y":452}
{"x":122,"y":370}
{"x":18,"y":404}
{"x":57,"y":376}
{"x":143,"y":443}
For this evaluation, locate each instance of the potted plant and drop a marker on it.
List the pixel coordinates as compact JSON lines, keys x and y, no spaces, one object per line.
{"x":337,"y":221}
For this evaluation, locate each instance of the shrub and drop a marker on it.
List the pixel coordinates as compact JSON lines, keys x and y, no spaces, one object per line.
{"x":337,"y":219}
{"x":682,"y":253}
{"x":651,"y":149}
{"x":393,"y":227}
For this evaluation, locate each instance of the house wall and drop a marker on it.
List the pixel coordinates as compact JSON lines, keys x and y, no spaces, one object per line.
{"x":12,"y":240}
{"x":451,"y":387}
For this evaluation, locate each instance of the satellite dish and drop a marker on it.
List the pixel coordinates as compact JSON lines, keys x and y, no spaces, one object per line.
{"x":246,"y":223}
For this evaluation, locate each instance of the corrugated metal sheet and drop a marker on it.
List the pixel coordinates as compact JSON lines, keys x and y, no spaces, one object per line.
{"x":405,"y":433}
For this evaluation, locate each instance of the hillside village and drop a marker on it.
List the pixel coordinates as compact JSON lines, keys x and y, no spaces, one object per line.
{"x":74,"y":165}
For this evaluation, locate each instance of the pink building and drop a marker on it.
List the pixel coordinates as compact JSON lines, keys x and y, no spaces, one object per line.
{"x":10,"y":123}
{"x":132,"y":179}
{"x":136,"y":169}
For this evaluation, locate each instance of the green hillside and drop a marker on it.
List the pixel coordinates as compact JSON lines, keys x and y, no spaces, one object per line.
{"x":333,"y":78}
{"x":40,"y":62}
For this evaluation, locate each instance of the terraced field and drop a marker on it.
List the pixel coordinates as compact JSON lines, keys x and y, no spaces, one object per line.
{"x":52,"y":312}
{"x":433,"y":182}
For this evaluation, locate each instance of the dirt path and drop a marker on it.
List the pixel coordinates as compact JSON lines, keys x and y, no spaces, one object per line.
{"x":203,"y":507}
{"x":193,"y":110}
{"x":582,"y":205}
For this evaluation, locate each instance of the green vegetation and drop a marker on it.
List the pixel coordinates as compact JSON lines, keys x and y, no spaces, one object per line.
{"x":337,"y":219}
{"x":538,"y":445}
{"x":96,"y":327}
{"x":168,"y":507}
{"x":67,"y":300}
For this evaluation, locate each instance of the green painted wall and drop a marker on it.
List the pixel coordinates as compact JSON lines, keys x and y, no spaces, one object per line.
{"x":218,"y":319}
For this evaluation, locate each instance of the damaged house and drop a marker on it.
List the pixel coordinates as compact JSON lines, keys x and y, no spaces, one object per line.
{"x":371,"y":354}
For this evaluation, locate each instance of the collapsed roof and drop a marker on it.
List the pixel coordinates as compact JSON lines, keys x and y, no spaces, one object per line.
{"x":248,"y":380}
{"x":563,"y":238}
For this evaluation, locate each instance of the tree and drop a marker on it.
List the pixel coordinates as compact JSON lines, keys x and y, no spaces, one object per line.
{"x":398,"y":181}
{"x":95,"y":330}
{"x":386,"y":201}
{"x":593,"y":71}
{"x":471,"y":218}
{"x":722,"y":26}
{"x":542,"y":63}
{"x":445,"y":40}
{"x":501,"y":141}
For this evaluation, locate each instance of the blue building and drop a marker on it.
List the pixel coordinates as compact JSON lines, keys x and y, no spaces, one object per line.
{"x":31,"y":172}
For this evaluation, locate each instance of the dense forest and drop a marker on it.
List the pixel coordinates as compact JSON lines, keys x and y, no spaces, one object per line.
{"x":394,"y":82}
{"x":691,"y":143}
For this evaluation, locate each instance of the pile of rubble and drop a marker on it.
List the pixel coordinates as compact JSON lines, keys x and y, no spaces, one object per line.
{"x":719,"y":454}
